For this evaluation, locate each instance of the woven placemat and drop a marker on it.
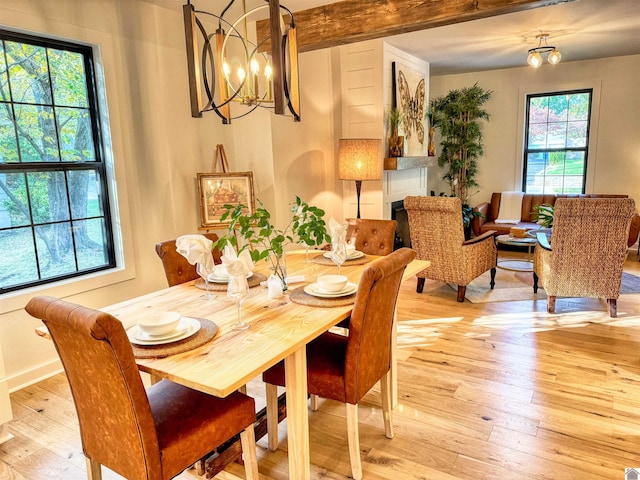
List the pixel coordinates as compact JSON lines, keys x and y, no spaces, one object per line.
{"x":303,"y":298}
{"x":253,"y":281}
{"x":321,"y":260}
{"x":207,"y":331}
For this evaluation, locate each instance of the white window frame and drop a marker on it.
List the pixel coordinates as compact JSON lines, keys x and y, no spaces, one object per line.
{"x":121,"y":222}
{"x":596,"y":86}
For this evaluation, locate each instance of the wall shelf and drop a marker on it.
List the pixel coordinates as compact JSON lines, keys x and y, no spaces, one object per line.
{"x":404,"y":163}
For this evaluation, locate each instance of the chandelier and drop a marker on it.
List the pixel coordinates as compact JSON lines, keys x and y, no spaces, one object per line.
{"x":535,"y":59}
{"x":226,"y":67}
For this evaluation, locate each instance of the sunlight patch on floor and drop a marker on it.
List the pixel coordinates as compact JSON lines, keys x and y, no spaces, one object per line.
{"x":422,"y":332}
{"x":527,"y":322}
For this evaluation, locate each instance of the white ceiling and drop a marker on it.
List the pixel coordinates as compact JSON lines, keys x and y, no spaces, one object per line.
{"x":581,"y":30}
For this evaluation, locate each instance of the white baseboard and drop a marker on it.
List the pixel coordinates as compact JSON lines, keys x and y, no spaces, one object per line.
{"x":34,"y":375}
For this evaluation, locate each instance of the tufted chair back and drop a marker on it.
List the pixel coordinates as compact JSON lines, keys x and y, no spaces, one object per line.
{"x":176,"y":268}
{"x":372,"y":237}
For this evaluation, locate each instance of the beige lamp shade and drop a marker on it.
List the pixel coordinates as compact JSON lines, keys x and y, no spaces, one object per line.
{"x":360,"y":159}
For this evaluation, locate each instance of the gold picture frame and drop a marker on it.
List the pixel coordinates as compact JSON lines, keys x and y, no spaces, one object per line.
{"x":218,"y":189}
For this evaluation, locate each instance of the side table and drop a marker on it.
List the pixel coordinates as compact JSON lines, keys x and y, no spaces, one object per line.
{"x":513,"y":264}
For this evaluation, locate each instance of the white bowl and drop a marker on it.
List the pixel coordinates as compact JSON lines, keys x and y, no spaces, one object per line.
{"x":332,"y":283}
{"x":159,"y":323}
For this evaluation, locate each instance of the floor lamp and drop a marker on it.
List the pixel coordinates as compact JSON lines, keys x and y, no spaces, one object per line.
{"x":360,"y":159}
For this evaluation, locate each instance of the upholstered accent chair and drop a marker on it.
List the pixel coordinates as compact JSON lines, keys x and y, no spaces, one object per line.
{"x":176,"y":268}
{"x":587,"y":250}
{"x":437,"y":235}
{"x":150,"y":434}
{"x":371,"y":236}
{"x":345,"y":368}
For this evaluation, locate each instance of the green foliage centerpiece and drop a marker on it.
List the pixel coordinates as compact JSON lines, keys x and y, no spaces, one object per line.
{"x":265,"y":241}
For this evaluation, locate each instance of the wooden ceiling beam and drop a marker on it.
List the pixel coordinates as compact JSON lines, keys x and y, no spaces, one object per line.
{"x":352,"y":21}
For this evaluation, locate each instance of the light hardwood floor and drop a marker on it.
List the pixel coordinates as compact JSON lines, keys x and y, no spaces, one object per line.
{"x":486,"y":391}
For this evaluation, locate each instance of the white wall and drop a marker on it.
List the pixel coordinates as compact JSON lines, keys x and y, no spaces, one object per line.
{"x":615,"y":139}
{"x":158,"y":149}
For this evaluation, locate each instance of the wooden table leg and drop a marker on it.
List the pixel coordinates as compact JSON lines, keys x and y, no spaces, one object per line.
{"x":393,"y":372}
{"x":295,"y":371}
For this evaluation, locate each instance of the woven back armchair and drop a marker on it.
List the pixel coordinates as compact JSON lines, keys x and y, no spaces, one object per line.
{"x":437,"y":235}
{"x":587,"y":250}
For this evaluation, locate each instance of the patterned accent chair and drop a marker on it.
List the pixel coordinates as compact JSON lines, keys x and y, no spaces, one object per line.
{"x":151,"y":434}
{"x":345,"y":368}
{"x":437,"y":235}
{"x":587,"y":250}
{"x":372,"y":237}
{"x":176,"y":268}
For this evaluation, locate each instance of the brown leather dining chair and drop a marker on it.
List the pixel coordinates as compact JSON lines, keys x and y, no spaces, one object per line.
{"x":151,"y":434}
{"x":176,"y":268}
{"x":371,"y":236}
{"x":345,"y":368}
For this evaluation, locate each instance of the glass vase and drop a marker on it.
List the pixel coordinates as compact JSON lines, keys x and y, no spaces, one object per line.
{"x":278,"y":265}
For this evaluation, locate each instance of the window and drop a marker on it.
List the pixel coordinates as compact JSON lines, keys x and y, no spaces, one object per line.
{"x":54,"y":208}
{"x":556,"y":142}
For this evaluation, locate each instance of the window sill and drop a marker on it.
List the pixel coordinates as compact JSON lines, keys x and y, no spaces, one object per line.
{"x":13,"y":301}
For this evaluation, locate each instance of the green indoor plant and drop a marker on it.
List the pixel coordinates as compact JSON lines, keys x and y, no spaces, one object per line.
{"x":458,"y":116}
{"x":266,"y":242}
{"x":394,"y":118}
{"x":543,"y":215}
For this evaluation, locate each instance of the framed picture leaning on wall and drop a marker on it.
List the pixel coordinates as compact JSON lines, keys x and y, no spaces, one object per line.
{"x":218,"y":189}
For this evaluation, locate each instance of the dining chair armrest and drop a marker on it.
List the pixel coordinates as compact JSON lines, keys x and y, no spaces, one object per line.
{"x":543,"y":240}
{"x":480,"y":238}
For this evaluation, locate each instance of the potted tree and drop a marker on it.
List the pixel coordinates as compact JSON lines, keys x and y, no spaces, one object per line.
{"x":458,"y":116}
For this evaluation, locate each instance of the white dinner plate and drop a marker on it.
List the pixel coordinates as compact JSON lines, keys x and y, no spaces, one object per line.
{"x":353,"y":256}
{"x":223,"y":279}
{"x":316,"y":291}
{"x":187,"y":327}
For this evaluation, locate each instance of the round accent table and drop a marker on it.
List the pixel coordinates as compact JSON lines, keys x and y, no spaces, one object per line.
{"x":514,"y":264}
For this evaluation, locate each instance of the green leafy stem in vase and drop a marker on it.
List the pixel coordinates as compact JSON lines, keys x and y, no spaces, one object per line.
{"x":264,"y":240}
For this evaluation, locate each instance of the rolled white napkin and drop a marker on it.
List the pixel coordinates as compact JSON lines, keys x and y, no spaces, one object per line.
{"x":230,"y":257}
{"x":196,"y":249}
{"x":338,"y":231}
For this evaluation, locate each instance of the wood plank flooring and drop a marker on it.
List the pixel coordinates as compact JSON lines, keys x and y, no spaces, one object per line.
{"x":486,"y":391}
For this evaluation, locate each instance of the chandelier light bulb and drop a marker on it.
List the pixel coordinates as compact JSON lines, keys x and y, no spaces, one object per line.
{"x":268,"y":71}
{"x":554,"y":57}
{"x":254,"y":66}
{"x":226,"y":70}
{"x":534,"y":59}
{"x":241,"y":74}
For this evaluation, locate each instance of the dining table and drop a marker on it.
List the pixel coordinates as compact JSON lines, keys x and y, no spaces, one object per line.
{"x":279,"y":329}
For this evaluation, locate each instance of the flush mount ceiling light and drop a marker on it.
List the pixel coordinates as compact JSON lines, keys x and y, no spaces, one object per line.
{"x":535,"y":58}
{"x":225,"y":66}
